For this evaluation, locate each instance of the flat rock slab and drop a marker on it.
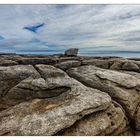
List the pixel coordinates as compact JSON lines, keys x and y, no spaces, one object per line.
{"x":34,"y":61}
{"x":98,"y":63}
{"x":68,"y":64}
{"x":7,"y":62}
{"x":114,"y":64}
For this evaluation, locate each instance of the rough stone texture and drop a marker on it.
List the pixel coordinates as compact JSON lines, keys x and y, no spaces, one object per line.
{"x":34,"y":61}
{"x":100,"y":98}
{"x":11,"y":75}
{"x":99,"y":63}
{"x":130,"y":66}
{"x":122,"y":87}
{"x":113,"y":63}
{"x":135,"y":74}
{"x":71,"y":52}
{"x":137,"y":116}
{"x":66,"y":58}
{"x":49,"y":116}
{"x":110,"y":122}
{"x":7,"y":63}
{"x":68,"y":64}
{"x":116,"y":66}
{"x":128,"y":132}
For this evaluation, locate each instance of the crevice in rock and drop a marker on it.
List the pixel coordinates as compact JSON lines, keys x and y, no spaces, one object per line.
{"x":81,"y":117}
{"x":36,"y":68}
{"x":10,"y":86}
{"x":48,"y":93}
{"x":5,"y":133}
{"x":26,"y":94}
{"x":118,"y":101}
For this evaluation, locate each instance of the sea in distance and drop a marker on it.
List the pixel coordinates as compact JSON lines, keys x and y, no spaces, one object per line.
{"x":82,"y":53}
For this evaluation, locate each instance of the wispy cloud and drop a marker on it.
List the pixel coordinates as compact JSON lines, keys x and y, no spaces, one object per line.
{"x":88,"y":27}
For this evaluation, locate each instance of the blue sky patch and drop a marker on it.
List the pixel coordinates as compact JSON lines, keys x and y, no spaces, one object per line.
{"x":34,"y":28}
{"x":1,"y":37}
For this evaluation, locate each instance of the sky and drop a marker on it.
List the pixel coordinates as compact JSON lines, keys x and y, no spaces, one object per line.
{"x":55,"y":28}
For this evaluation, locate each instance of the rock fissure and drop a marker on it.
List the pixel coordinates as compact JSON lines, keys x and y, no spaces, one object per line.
{"x":69,"y":95}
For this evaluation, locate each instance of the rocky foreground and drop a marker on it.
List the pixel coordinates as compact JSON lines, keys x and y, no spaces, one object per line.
{"x":59,"y":95}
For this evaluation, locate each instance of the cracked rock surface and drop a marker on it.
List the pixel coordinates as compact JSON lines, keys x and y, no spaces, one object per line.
{"x":123,"y":88}
{"x":76,"y":95}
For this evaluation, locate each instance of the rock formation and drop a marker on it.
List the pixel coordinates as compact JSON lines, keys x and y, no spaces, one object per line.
{"x":77,"y":95}
{"x":71,"y":52}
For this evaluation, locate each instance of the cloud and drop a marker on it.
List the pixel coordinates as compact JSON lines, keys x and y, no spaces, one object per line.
{"x":58,"y":27}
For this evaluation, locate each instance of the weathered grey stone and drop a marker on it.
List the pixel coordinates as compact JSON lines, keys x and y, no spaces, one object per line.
{"x":109,"y":122}
{"x":92,"y":73}
{"x":44,"y":100}
{"x":68,"y":64}
{"x":7,"y":63}
{"x":29,"y":89}
{"x":26,"y":87}
{"x":130,"y":66}
{"x":128,"y":132}
{"x":122,"y":87}
{"x":34,"y":61}
{"x":50,"y":115}
{"x":124,"y":80}
{"x":71,"y":52}
{"x":137,"y":118}
{"x":12,"y":75}
{"x":99,"y":63}
{"x":135,"y":74}
{"x":116,"y":66}
{"x":138,"y":64}
{"x":68,"y":58}
{"x":47,"y":71}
